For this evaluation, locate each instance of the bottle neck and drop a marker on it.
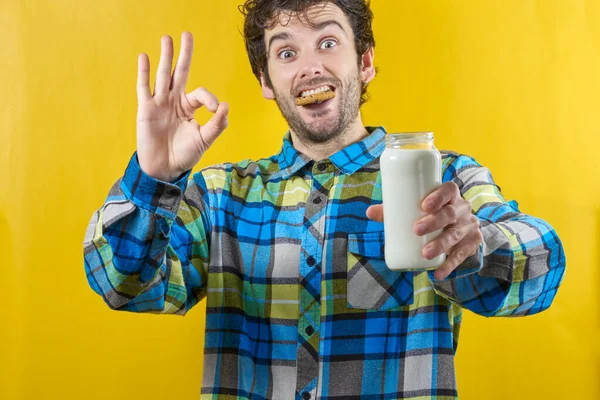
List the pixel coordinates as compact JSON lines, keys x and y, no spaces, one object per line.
{"x":411,"y":140}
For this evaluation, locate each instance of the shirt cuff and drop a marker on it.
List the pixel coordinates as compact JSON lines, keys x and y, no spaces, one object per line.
{"x":471,"y":265}
{"x":151,"y":194}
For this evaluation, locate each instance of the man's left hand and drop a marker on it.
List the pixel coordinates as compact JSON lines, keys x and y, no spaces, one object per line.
{"x":445,"y":209}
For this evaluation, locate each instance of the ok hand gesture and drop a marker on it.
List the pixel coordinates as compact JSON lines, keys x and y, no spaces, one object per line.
{"x":169,"y":140}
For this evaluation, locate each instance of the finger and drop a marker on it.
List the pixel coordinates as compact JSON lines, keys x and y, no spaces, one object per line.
{"x":447,"y":215}
{"x":456,"y":257}
{"x":182,"y":67}
{"x":163,"y":74}
{"x":375,"y":213}
{"x":216,"y":125}
{"x":200,"y":97}
{"x":143,"y":79}
{"x":443,"y":195}
{"x":452,"y":235}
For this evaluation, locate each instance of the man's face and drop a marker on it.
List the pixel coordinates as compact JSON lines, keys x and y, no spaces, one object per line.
{"x":302,"y":57}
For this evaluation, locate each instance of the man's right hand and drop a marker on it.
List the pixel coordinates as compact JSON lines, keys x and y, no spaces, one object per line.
{"x":169,"y":140}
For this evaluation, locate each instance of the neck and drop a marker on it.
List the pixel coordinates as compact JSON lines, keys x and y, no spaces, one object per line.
{"x":319,"y":151}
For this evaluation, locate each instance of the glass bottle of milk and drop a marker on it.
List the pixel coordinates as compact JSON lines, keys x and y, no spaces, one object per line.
{"x":411,"y":169}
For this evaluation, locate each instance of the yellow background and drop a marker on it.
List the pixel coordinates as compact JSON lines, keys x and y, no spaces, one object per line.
{"x":513,"y":83}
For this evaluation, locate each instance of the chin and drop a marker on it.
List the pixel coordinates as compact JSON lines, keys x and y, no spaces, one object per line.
{"x":326,"y":124}
{"x":322,"y":134}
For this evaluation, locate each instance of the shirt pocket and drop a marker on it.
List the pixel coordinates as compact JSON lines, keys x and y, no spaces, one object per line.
{"x":371,"y":285}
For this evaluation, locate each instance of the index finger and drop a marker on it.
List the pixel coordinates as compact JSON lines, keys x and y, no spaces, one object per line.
{"x":441,"y":196}
{"x":182,"y":67}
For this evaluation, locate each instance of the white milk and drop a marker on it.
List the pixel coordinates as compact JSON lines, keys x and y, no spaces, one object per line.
{"x":408,"y":175}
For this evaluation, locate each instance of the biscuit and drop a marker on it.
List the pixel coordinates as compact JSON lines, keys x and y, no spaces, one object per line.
{"x":315,"y":98}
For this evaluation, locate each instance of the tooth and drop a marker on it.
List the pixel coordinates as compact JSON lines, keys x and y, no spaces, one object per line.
{"x":315,"y":91}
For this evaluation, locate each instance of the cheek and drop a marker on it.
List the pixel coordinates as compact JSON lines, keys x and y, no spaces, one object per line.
{"x":282,"y":78}
{"x":347,"y":75}
{"x":344,"y":62}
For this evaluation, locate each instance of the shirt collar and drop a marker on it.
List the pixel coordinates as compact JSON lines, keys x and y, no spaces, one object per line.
{"x":348,"y":160}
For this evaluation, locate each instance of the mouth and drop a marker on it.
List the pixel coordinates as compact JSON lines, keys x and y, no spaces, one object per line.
{"x":315,"y":96}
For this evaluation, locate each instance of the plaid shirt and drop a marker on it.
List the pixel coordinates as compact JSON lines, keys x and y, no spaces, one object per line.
{"x":299,"y":301}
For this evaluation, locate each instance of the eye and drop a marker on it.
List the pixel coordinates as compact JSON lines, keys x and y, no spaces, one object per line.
{"x":328,"y":44}
{"x":286,"y":54}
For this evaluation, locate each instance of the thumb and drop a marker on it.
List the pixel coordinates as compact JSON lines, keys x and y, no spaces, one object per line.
{"x":216,"y":125}
{"x":375,"y":213}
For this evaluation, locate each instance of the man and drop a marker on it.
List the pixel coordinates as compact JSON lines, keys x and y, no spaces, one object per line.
{"x":299,"y":301}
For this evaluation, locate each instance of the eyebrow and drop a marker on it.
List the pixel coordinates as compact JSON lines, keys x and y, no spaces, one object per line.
{"x":286,"y":36}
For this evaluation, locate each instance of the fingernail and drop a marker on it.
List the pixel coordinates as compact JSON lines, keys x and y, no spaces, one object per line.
{"x":429,"y":204}
{"x":420,"y":229}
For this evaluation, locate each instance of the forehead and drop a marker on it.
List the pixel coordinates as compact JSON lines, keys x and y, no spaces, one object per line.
{"x":298,"y":22}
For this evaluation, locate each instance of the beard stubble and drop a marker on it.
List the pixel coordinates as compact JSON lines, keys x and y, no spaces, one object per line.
{"x":324,"y":129}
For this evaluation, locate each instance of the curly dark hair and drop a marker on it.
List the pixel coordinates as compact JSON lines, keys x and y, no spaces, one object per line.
{"x":263,"y":14}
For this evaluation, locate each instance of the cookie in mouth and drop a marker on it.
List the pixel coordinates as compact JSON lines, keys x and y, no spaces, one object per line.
{"x":318,"y":95}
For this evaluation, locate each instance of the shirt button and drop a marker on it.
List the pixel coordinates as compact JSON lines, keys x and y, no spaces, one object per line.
{"x":306,"y":395}
{"x":310,"y":261}
{"x":317,"y":200}
{"x":321,"y":167}
{"x":309,"y":330}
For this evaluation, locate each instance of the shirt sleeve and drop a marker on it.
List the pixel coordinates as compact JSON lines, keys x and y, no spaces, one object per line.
{"x":147,"y":248}
{"x":521,"y":263}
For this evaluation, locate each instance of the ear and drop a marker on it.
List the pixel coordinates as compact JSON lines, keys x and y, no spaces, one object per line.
{"x":267,"y":92}
{"x":367,"y":72}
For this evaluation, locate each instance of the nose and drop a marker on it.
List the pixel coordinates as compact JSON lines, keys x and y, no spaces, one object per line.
{"x":311,"y":68}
